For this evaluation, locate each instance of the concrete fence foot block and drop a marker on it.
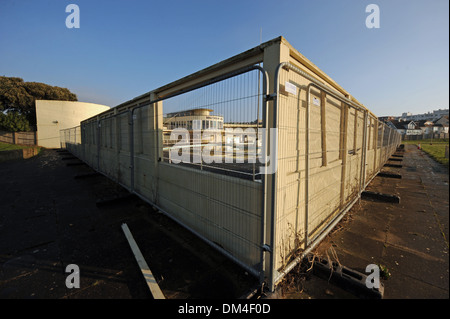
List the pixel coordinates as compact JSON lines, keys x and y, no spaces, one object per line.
{"x":393,"y":165}
{"x":346,"y":278}
{"x":79,"y":176}
{"x":114,"y":200}
{"x":76,"y":164}
{"x":380,"y":197}
{"x":389,"y":175}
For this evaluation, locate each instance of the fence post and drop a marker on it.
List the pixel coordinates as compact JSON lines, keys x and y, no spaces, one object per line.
{"x":131,"y":148}
{"x":388,"y":153}
{"x":98,"y":143}
{"x":381,"y":144}
{"x":363,"y":154}
{"x":344,"y":116}
{"x":323,"y":126}
{"x":374,"y":128}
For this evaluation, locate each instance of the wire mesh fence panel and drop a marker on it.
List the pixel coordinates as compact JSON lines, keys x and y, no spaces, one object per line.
{"x":72,"y":140}
{"x":309,"y":171}
{"x":216,"y":189}
{"x":77,"y":146}
{"x":209,"y":176}
{"x":199,"y":156}
{"x":89,"y":139}
{"x":62,"y":138}
{"x":325,"y":176}
{"x":328,"y":149}
{"x":436,"y":136}
{"x":122,"y":156}
{"x":291,"y":170}
{"x":380,"y":145}
{"x":371,"y":147}
{"x":145,"y":152}
{"x":108,"y":161}
{"x":217,"y":128}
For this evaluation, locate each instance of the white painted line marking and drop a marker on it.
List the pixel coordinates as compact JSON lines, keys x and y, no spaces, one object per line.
{"x":146,"y":272}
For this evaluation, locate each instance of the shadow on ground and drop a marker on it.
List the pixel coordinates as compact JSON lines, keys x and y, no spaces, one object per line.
{"x":49,"y":220}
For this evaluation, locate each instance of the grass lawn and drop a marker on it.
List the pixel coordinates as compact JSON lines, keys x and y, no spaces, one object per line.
{"x":9,"y":147}
{"x":435,"y":148}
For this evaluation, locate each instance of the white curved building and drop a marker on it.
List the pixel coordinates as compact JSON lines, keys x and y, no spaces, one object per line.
{"x":53,"y":116}
{"x":199,"y":118}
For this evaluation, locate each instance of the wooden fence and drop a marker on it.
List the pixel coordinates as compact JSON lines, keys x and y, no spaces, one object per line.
{"x":23,"y":138}
{"x":424,"y":136}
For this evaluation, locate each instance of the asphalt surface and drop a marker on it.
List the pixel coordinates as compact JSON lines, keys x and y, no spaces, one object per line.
{"x":49,"y":219}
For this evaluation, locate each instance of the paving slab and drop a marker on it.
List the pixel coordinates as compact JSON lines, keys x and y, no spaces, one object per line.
{"x":409,"y":238}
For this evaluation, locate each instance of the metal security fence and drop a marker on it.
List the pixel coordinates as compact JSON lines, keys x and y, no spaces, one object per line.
{"x":220,"y":126}
{"x":435,"y":136}
{"x":71,"y":140}
{"x":260,"y":164}
{"x":219,"y":200}
{"x":329,"y":149}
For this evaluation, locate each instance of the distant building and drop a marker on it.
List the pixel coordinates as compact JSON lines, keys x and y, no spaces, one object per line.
{"x":201,"y":119}
{"x":195,"y":119}
{"x":435,"y":115}
{"x":53,"y":116}
{"x":443,"y":121}
{"x":420,"y":127}
{"x":405,"y":128}
{"x":386,"y":118}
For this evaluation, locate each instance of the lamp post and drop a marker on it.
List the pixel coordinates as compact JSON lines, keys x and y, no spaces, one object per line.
{"x":431,"y":127}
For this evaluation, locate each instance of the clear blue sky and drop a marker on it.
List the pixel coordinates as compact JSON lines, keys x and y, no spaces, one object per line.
{"x":126,"y":48}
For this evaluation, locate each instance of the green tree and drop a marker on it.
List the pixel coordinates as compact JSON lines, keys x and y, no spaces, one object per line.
{"x":14,"y":122}
{"x":18,"y":98}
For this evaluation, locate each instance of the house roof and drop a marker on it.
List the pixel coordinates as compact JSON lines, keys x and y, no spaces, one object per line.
{"x":442,"y":120}
{"x":421,"y":123}
{"x":403,"y":125}
{"x":399,"y":125}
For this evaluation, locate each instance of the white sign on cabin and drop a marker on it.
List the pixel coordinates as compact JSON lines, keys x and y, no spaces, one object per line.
{"x":316,"y":101}
{"x":291,"y":88}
